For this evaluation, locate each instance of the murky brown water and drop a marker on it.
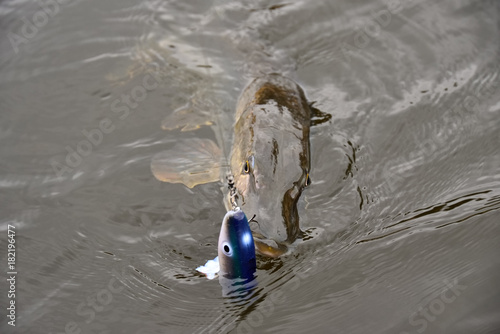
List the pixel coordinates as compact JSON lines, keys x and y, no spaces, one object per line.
{"x":405,"y":199}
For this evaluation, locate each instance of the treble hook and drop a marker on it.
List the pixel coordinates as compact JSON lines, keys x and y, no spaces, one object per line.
{"x":233,"y":196}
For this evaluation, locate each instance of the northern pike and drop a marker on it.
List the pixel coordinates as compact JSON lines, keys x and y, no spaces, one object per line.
{"x":270,"y":160}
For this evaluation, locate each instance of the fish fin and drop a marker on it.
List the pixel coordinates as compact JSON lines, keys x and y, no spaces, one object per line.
{"x":187,"y":118}
{"x":191,"y":162}
{"x":318,"y":116}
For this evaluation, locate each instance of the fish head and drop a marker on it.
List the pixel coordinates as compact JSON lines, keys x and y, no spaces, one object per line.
{"x":270,"y":182}
{"x":236,"y":247}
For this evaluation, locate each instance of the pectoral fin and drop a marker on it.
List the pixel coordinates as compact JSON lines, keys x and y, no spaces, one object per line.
{"x":191,"y":162}
{"x":187,"y":119}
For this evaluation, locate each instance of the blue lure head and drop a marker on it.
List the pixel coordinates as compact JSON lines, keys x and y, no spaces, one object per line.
{"x":236,"y":248}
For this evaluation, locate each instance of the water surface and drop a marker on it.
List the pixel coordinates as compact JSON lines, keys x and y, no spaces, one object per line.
{"x":403,"y":206}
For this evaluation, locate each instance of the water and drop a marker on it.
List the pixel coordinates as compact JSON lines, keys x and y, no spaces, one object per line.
{"x":403,"y":206}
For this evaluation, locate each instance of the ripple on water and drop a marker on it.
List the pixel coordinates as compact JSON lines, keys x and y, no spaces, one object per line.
{"x":405,"y":192}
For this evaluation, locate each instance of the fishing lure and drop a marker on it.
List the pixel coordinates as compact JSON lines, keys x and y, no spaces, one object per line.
{"x":236,"y":250}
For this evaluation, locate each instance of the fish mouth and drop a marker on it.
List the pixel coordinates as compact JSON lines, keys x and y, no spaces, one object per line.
{"x":269,"y":247}
{"x":274,"y":224}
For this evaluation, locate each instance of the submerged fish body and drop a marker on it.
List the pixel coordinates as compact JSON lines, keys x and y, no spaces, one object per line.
{"x":270,"y":159}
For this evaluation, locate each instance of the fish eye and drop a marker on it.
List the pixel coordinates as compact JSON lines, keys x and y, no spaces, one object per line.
{"x":226,"y":248}
{"x":246,"y":167}
{"x":308,"y":180}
